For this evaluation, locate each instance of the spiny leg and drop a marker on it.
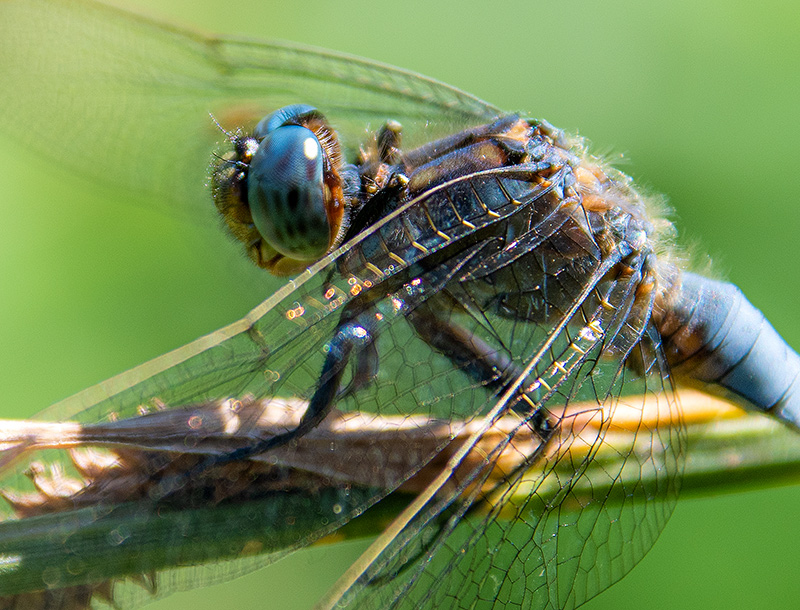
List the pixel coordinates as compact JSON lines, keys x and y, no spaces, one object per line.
{"x":483,"y":363}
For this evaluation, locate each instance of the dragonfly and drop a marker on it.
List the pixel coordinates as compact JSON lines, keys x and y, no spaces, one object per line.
{"x":291,"y":355}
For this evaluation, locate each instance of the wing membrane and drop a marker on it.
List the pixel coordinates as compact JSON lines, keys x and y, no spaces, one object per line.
{"x":126,"y":100}
{"x":277,"y":352}
{"x":549,"y":533}
{"x":582,"y":347}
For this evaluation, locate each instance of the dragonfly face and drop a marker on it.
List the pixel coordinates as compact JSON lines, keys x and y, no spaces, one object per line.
{"x":311,"y":370}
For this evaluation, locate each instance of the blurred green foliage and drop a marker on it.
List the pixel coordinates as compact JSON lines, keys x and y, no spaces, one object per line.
{"x":700,"y":97}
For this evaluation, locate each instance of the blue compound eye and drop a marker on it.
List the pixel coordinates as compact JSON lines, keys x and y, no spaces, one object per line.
{"x":292,"y":114}
{"x":285,"y":193}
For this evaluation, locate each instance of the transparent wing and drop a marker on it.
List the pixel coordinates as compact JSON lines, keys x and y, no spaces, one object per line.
{"x":532,"y":522}
{"x":163,"y":418}
{"x":126,"y":100}
{"x":584,"y":342}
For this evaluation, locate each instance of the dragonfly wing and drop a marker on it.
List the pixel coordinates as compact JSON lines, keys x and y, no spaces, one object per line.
{"x":126,"y":100}
{"x":548,"y":523}
{"x":274,"y":356}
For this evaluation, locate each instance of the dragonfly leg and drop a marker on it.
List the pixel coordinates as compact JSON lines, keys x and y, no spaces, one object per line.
{"x":353,"y":334}
{"x":389,"y":138}
{"x":354,"y":341}
{"x":354,"y":337}
{"x":483,"y":363}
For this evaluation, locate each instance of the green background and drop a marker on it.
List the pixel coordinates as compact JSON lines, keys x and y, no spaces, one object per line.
{"x":702,"y":100}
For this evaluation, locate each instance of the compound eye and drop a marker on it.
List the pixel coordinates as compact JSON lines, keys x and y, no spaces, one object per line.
{"x":288,"y":115}
{"x":286,"y":195}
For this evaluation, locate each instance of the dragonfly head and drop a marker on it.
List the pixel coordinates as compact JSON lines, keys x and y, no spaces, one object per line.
{"x":282,"y":191}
